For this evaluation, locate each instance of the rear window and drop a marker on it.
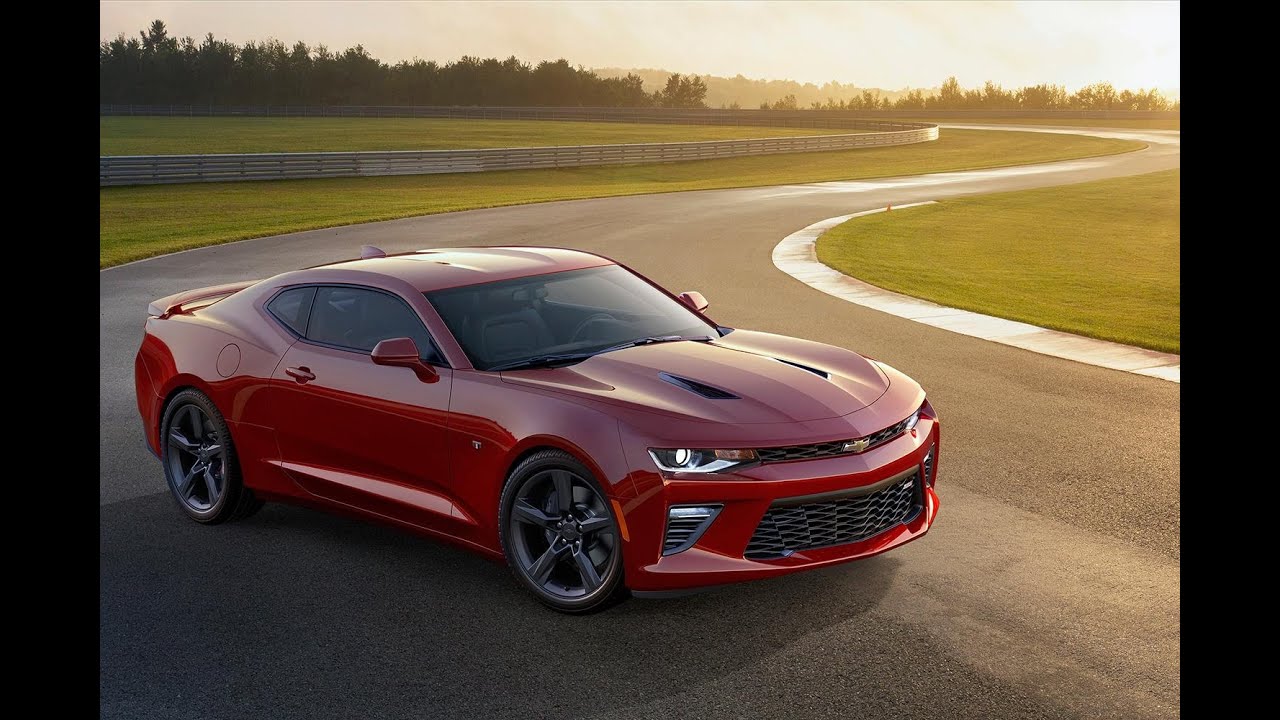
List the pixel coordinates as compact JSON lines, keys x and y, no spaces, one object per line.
{"x":293,"y":307}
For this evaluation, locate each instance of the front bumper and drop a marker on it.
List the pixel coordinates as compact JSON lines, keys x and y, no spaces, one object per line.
{"x":718,"y":556}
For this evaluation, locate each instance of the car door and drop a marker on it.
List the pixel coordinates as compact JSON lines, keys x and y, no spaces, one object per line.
{"x":365,"y":435}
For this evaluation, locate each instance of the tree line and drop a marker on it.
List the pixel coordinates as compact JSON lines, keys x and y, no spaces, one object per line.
{"x":1098,"y":96}
{"x":155,"y":68}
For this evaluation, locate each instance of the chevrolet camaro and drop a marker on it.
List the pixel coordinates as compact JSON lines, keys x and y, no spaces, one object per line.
{"x":547,"y":407}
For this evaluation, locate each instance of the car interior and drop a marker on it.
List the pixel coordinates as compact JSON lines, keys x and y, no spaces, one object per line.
{"x":565,"y":313}
{"x":505,"y":323}
{"x":357,"y":318}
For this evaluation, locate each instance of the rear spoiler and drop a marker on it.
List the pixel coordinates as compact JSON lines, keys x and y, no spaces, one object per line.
{"x":174,"y":304}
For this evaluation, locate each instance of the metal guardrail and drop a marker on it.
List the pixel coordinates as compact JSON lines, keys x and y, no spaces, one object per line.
{"x":692,"y":116}
{"x":157,"y":169}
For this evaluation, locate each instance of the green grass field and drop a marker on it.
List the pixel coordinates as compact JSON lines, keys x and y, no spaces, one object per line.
{"x":204,"y":135}
{"x":1098,"y":259}
{"x":1153,"y":124}
{"x":137,"y":222}
{"x":197,"y":135}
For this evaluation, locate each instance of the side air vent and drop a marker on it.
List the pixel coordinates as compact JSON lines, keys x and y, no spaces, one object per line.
{"x":820,"y":373}
{"x":685,"y":524}
{"x":698,"y":388}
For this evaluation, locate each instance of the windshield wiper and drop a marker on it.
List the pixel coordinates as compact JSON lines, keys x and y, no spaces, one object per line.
{"x":642,"y":341}
{"x":542,"y":361}
{"x":570,"y":358}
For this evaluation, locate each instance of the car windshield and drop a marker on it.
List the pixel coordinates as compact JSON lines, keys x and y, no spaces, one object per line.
{"x":562,"y":317}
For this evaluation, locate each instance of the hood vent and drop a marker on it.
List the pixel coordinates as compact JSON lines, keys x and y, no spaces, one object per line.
{"x":697,"y":388}
{"x":820,"y":373}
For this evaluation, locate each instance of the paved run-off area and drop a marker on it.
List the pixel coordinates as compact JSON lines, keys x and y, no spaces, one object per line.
{"x":1048,"y":588}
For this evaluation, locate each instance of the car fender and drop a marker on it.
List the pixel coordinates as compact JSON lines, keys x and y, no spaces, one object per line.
{"x":494,"y":424}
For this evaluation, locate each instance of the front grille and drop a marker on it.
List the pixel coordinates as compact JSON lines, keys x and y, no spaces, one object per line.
{"x":791,"y":528}
{"x":828,"y":449}
{"x":801,"y":452}
{"x":888,"y":433}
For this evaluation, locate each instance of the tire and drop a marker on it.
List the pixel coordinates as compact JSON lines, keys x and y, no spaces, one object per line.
{"x":542,"y":532}
{"x":200,"y":462}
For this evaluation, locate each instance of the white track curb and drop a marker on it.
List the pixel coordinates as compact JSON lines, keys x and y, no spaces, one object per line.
{"x":797,"y":256}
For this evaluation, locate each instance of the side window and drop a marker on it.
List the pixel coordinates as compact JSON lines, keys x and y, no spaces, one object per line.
{"x":359,"y":319}
{"x":292,"y":307}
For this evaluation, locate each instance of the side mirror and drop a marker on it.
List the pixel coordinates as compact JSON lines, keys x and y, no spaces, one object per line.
{"x":695,"y":300}
{"x":403,"y":352}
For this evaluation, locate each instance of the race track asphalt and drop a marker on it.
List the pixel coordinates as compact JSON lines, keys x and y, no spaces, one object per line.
{"x":1048,"y":587}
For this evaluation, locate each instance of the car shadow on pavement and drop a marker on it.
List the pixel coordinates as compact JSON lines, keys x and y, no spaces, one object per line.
{"x":295,"y":612}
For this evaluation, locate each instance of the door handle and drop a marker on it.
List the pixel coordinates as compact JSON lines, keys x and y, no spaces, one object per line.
{"x":301,"y":374}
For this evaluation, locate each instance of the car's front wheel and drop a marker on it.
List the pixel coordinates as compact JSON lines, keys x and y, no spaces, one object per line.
{"x":559,"y":534}
{"x":200,"y":461}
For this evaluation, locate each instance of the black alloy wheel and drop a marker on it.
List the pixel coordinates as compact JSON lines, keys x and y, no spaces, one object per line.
{"x":559,"y":534}
{"x":199,"y":461}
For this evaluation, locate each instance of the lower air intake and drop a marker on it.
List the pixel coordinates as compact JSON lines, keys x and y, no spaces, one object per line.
{"x":785,"y":529}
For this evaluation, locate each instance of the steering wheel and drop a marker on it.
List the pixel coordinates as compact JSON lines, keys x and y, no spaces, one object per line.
{"x":593,"y":319}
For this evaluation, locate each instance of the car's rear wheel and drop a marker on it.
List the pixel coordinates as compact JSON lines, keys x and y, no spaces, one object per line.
{"x":559,"y":534}
{"x":199,"y":461}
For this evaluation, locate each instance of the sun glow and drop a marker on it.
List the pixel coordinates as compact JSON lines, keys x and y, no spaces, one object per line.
{"x":889,"y":45}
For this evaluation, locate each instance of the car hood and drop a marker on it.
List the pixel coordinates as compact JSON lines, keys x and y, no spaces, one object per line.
{"x":774,"y":379}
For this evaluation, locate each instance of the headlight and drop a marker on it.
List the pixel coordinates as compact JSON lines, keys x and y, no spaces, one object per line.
{"x":915,"y":418}
{"x":700,"y":461}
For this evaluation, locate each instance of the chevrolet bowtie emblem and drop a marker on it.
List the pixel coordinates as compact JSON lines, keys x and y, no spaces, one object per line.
{"x":856,"y":446}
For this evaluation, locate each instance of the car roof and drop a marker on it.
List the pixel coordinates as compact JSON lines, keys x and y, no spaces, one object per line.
{"x":439,"y":268}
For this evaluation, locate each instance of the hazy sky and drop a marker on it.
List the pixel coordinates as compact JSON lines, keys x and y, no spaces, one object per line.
{"x":879,"y":44}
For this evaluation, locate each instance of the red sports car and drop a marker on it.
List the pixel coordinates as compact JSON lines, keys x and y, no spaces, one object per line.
{"x":542,"y":405}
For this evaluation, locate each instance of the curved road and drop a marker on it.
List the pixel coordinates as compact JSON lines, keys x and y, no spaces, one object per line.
{"x":1048,"y":588}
